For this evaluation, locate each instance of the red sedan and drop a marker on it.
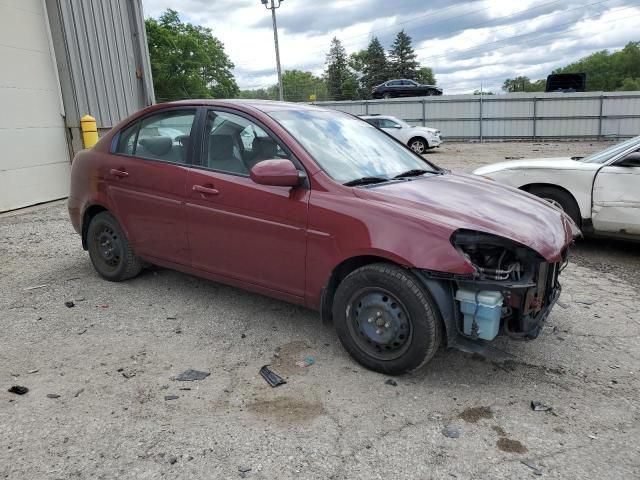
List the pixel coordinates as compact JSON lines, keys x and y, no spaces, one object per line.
{"x":319,"y":208}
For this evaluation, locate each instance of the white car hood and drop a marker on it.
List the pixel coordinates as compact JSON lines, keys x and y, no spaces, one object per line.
{"x":560,"y":163}
{"x":424,"y":129}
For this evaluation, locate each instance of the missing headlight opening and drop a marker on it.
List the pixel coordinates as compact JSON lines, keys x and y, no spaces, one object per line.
{"x":513,"y":287}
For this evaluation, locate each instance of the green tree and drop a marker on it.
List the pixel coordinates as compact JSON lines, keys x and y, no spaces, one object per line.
{"x":298,"y":86}
{"x":337,"y":72}
{"x":402,"y":57}
{"x":376,"y":68}
{"x":630,"y":85}
{"x":187,"y":61}
{"x":608,"y":71}
{"x":523,"y":84}
{"x":425,"y":75}
{"x":483,"y":92}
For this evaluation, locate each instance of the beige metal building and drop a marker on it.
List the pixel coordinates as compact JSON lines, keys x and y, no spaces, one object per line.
{"x":59,"y":60}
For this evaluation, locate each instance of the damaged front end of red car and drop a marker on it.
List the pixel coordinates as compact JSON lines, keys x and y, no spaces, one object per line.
{"x":511,"y":291}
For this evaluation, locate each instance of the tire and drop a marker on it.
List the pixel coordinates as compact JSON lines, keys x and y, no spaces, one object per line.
{"x":385,"y":320}
{"x":418,"y":145}
{"x":561,"y":199}
{"x":386,"y":96}
{"x":109,"y":249}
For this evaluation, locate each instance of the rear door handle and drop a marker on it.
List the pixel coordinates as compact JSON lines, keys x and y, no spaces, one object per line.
{"x":118,"y":173}
{"x":205,"y":190}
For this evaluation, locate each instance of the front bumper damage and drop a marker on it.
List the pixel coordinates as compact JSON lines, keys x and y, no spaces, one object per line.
{"x":528,"y":299}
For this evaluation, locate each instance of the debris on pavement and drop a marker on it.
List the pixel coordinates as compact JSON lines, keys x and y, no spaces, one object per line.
{"x":77,"y":394}
{"x":178,"y":330}
{"x":391,"y":382}
{"x":35,"y":287}
{"x":53,"y":395}
{"x":35,"y":370}
{"x":513,"y":158}
{"x":81,"y":331}
{"x":450,"y":432}
{"x":192,"y":375}
{"x":537,"y":406}
{"x":18,"y":390}
{"x":307,"y":362}
{"x":171,"y":397}
{"x":69,"y":304}
{"x":272,"y":378}
{"x":173,"y":459}
{"x":244,"y":471}
{"x":243,"y":335}
{"x":531,"y":464}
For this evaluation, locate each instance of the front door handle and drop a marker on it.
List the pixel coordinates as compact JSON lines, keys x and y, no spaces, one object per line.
{"x":118,"y":173}
{"x":205,"y":190}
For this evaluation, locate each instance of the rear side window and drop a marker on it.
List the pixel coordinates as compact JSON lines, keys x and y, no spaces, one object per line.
{"x":164,"y":136}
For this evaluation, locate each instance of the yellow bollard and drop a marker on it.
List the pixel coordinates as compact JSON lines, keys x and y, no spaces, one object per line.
{"x":89,"y":131}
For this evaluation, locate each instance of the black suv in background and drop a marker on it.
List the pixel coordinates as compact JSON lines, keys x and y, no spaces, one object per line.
{"x":404,"y":88}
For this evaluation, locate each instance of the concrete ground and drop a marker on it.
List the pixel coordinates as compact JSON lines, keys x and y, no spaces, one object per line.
{"x":112,"y":356}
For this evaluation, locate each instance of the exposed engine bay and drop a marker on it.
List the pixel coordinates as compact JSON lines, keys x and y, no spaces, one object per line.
{"x":512,"y":285}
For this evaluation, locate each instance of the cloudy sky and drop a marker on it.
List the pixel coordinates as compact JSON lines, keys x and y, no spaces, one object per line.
{"x":466,"y":43}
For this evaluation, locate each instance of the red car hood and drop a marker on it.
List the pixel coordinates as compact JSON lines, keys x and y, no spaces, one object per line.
{"x":460,"y":201}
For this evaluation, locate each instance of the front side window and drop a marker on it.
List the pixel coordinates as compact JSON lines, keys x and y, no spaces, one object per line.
{"x":164,"y":136}
{"x":386,"y":123}
{"x":608,"y":153}
{"x":234,"y":144}
{"x":347,"y":148}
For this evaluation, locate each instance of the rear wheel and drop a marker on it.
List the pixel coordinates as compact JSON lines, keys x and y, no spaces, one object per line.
{"x":385,"y":319}
{"x":418,"y":145}
{"x":560,"y":199}
{"x":109,"y":249}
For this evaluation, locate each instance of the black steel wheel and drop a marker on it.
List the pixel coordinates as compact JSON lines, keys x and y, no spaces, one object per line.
{"x":385,"y":319}
{"x":109,"y":249}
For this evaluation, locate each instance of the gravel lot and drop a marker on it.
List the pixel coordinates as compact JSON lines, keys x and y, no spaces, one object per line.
{"x":112,"y":356}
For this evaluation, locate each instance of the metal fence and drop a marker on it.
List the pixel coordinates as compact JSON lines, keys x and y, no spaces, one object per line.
{"x":516,"y":116}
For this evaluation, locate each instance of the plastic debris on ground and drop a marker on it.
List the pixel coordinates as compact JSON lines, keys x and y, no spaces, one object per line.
{"x":450,"y":432}
{"x":537,"y":406}
{"x":18,"y":390}
{"x":171,"y":397}
{"x":192,"y":375}
{"x":272,"y":378}
{"x":307,"y":362}
{"x":69,"y":304}
{"x":391,"y":382}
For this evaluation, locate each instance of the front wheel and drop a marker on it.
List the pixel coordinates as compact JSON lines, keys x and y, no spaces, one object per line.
{"x":385,"y":320}
{"x":418,"y":145}
{"x":109,"y":249}
{"x":560,"y":199}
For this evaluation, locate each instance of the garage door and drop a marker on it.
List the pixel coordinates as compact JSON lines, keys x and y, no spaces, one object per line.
{"x":34,"y":158}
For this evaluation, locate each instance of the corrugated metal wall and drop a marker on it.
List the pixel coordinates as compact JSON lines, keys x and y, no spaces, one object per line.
{"x":103,"y":61}
{"x":514,"y":116}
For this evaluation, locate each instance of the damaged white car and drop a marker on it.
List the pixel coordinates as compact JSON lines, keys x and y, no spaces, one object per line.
{"x":601,"y":192}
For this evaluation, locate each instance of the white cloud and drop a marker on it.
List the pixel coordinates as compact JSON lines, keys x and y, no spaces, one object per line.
{"x":448,"y":36}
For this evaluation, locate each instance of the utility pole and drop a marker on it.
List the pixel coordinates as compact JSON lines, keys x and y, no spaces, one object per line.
{"x":275,"y":4}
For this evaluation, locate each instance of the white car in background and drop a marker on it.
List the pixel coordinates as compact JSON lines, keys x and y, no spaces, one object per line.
{"x":601,"y":192}
{"x":419,"y":139}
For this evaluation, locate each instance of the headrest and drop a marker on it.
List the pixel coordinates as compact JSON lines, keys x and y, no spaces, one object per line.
{"x":265,"y":147}
{"x":157,"y":145}
{"x":183,"y":140}
{"x":220,"y":146}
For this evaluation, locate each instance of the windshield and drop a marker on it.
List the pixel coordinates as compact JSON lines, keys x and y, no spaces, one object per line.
{"x":348,"y":148}
{"x":607,"y":153}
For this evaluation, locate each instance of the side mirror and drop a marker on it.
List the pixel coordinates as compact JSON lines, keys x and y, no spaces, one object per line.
{"x":631,"y":160}
{"x":277,"y":173}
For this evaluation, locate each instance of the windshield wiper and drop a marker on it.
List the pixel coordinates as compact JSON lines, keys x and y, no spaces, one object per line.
{"x":365,"y":181}
{"x":416,"y":172}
